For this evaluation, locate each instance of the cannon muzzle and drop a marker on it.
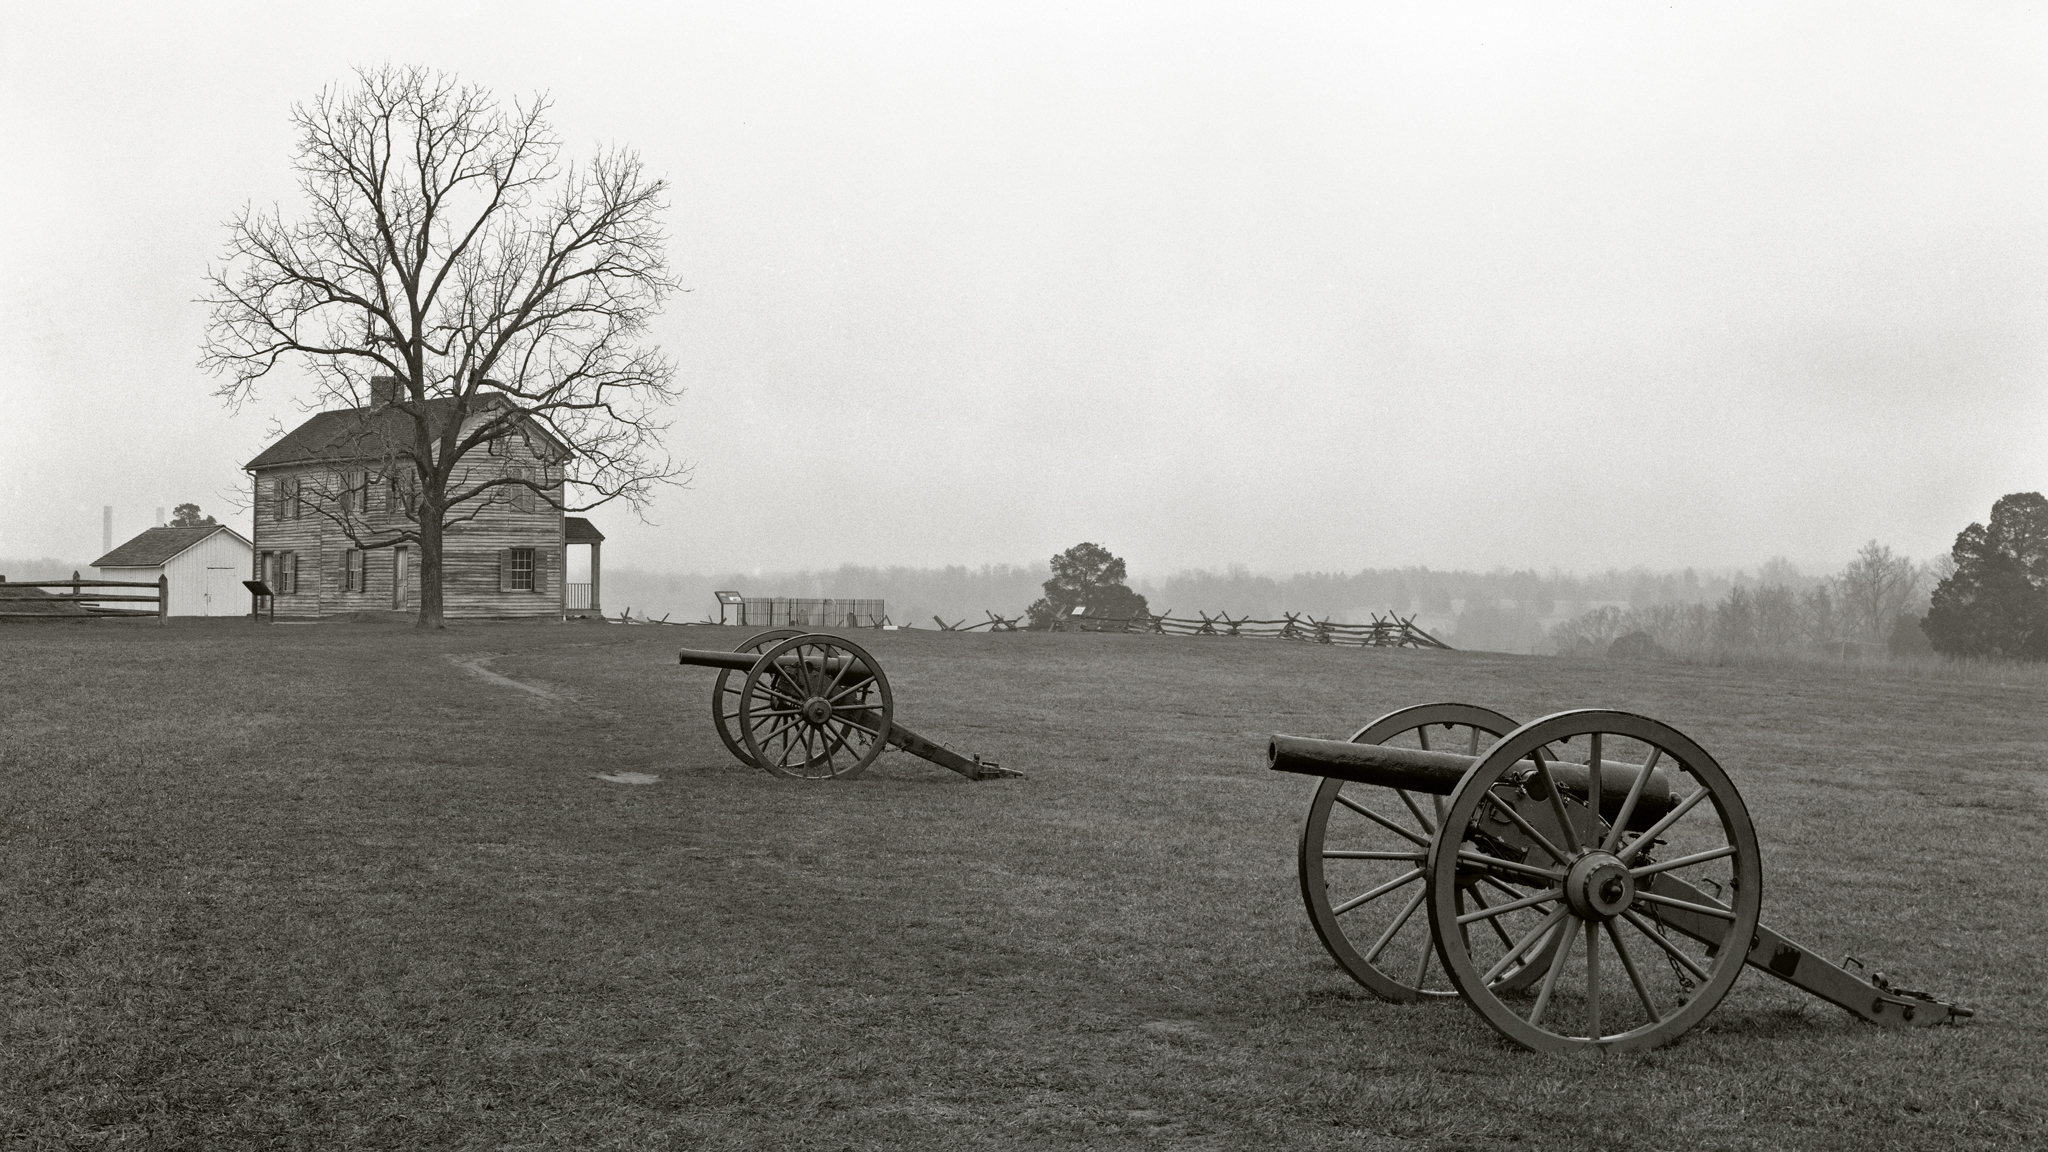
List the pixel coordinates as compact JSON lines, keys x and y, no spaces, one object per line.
{"x":1438,"y":773}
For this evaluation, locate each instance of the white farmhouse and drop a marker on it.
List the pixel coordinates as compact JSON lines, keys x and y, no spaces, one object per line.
{"x":205,"y":565}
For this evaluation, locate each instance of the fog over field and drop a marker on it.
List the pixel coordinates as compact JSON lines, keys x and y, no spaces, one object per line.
{"x":1298,"y":288}
{"x":1500,"y":610}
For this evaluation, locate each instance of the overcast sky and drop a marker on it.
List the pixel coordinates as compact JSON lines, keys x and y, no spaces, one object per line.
{"x":1297,"y":287}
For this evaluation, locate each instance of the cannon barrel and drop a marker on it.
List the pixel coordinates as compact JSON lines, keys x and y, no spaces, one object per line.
{"x":1416,"y":770}
{"x":745,"y":661}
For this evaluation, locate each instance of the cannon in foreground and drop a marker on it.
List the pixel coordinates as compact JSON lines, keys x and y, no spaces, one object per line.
{"x":814,"y":707}
{"x":1591,"y":879}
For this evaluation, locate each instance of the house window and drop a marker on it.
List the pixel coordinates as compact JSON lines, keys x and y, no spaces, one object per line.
{"x":352,"y":570}
{"x":522,"y":496}
{"x":282,"y":572}
{"x":522,"y":570}
{"x":281,"y":498}
{"x":355,"y":492}
{"x":399,"y":489}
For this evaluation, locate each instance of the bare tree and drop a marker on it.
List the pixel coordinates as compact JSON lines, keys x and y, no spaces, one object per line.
{"x":1874,"y":589}
{"x":450,"y":268}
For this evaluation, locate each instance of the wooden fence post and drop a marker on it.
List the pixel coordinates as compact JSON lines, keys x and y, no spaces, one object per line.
{"x":163,"y":605}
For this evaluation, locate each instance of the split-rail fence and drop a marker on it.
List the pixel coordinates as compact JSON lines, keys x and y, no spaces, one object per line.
{"x":25,"y":599}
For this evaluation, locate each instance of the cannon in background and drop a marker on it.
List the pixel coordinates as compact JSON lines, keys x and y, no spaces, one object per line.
{"x":815,"y":707}
{"x":1565,"y":921}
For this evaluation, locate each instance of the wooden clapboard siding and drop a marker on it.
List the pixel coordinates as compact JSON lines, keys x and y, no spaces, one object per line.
{"x":470,"y":550}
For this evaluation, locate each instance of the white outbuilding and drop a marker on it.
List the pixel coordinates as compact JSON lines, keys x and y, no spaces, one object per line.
{"x":205,"y":565}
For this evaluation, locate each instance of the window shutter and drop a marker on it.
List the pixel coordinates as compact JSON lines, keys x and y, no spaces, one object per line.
{"x":295,"y":573}
{"x":541,"y":556}
{"x":504,"y":569}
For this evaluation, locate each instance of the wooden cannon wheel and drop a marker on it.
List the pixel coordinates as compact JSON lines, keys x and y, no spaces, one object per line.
{"x":725,"y":695}
{"x":1362,"y":857}
{"x":815,"y":707}
{"x":1616,"y":975}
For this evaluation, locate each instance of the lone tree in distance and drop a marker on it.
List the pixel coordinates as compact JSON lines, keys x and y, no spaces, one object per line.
{"x":1086,"y":576}
{"x":187,"y":516}
{"x":1875,"y":589}
{"x":1995,"y":602}
{"x":444,"y":246}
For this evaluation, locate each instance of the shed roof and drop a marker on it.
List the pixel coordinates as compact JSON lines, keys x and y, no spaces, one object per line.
{"x":160,"y":545}
{"x":577,"y":530}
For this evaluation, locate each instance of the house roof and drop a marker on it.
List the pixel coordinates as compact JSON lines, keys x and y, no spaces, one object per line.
{"x":159,"y":545}
{"x":376,"y":433}
{"x":577,"y":530}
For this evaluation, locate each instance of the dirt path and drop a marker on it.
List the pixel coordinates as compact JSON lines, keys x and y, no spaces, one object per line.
{"x":475,"y":666}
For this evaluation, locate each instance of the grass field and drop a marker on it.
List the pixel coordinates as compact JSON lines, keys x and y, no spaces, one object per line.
{"x":330,"y":886}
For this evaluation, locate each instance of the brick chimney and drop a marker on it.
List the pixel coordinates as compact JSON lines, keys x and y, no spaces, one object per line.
{"x":383,"y":391}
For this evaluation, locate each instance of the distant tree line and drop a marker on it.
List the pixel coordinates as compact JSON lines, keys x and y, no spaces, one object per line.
{"x":1867,"y":605}
{"x":1989,"y":599}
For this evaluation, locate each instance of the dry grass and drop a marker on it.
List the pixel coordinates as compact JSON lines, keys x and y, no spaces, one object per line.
{"x":322,"y":887}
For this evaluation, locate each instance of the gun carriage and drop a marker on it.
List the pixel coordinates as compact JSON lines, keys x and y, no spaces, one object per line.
{"x":1590,"y":879}
{"x":813,"y":706}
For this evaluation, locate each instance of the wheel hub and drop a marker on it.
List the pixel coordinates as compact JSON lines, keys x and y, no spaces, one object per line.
{"x":817,"y":710}
{"x":1598,"y":887}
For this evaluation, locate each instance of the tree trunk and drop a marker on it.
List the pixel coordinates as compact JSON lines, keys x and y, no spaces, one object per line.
{"x":430,"y":566}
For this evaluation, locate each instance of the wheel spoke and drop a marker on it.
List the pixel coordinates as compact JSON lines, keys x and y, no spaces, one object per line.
{"x":1682,"y":861}
{"x":1628,"y":806}
{"x":774,"y":730}
{"x":1527,"y":828}
{"x":776,"y":693}
{"x":1393,"y":929}
{"x":1593,"y":958}
{"x":843,"y":735}
{"x":1662,"y":826}
{"x":1504,"y":890}
{"x":1557,"y":963}
{"x":1428,"y":827}
{"x":845,"y":666}
{"x":873,"y":733}
{"x":1594,"y":798}
{"x":1408,"y":878}
{"x":1628,"y":965}
{"x":1536,"y":936}
{"x":1670,"y":949}
{"x":1491,"y":922}
{"x":1371,"y":854}
{"x":1543,"y":897}
{"x":1564,"y":819}
{"x":1422,"y":968}
{"x":1382,"y":821}
{"x":1714,"y":910}
{"x":1480,"y":860}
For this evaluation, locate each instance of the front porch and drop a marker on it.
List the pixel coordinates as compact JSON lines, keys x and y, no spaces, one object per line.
{"x":582,"y":597}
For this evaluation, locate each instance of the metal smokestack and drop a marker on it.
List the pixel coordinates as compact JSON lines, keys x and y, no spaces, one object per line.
{"x":106,"y":529}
